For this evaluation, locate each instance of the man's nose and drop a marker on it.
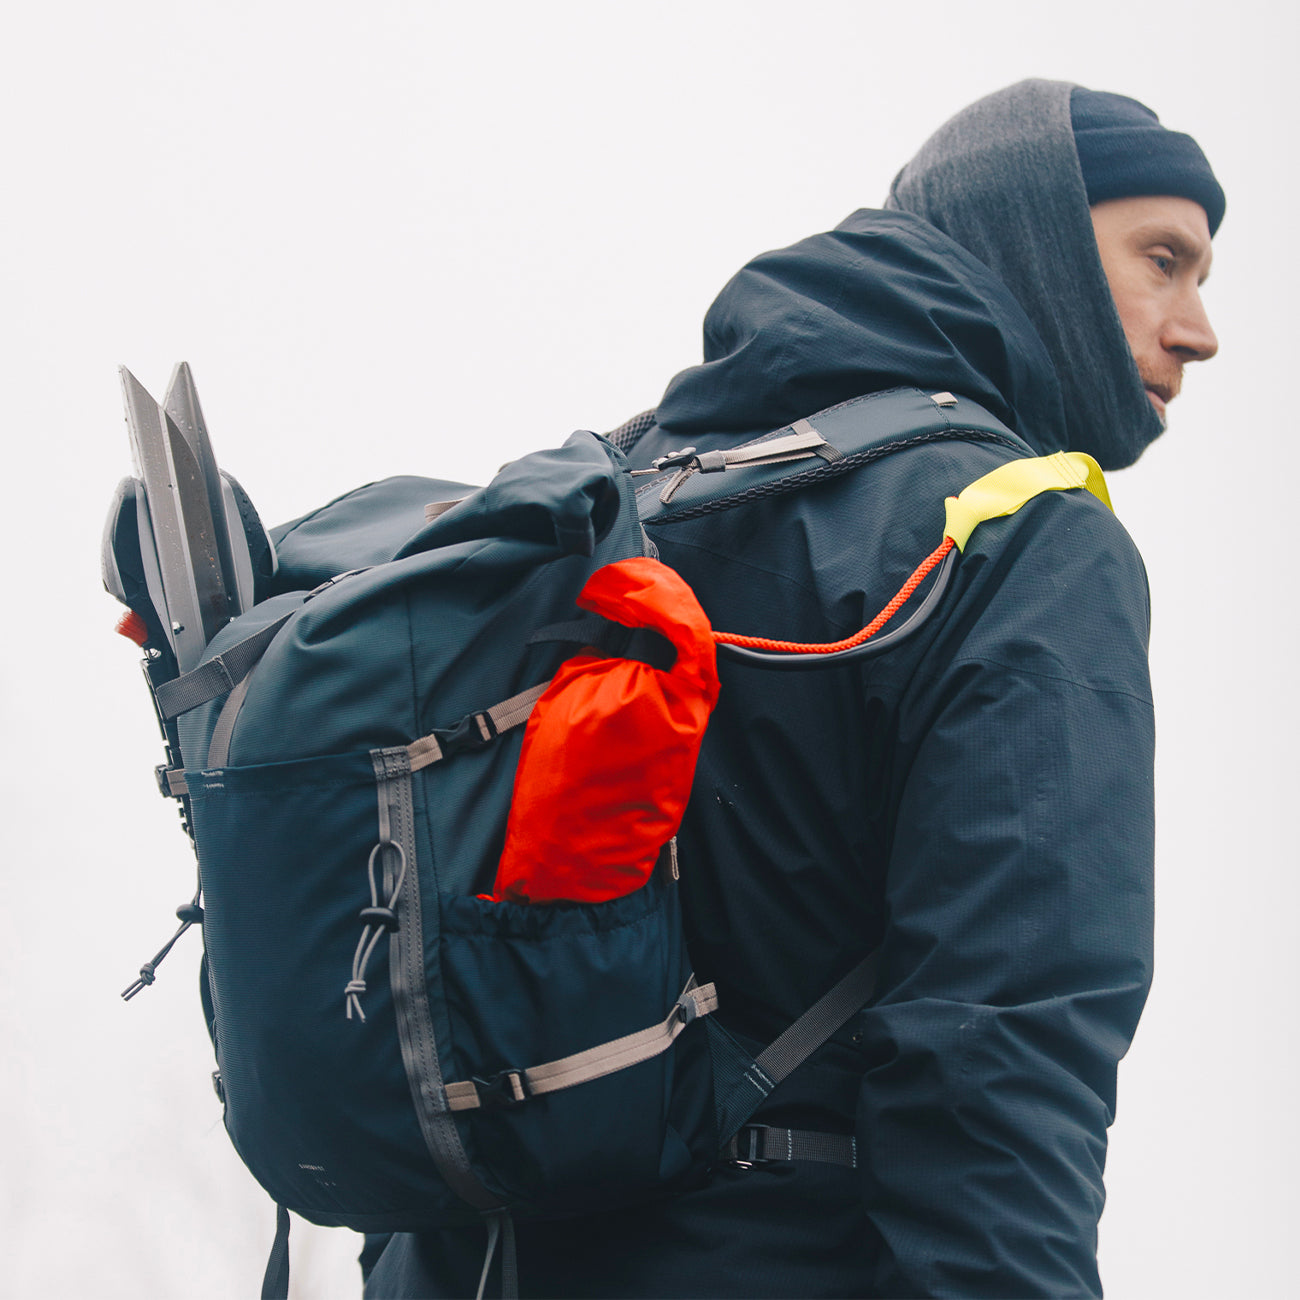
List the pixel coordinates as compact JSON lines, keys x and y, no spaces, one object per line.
{"x":1189,"y":332}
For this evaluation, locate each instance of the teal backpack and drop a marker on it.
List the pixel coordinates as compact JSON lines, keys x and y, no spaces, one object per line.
{"x":396,"y":1052}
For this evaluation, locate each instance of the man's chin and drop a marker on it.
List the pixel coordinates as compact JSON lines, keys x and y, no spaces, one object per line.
{"x":1160,"y":406}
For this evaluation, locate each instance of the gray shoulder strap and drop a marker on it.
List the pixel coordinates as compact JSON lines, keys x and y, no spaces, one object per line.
{"x":219,"y":745}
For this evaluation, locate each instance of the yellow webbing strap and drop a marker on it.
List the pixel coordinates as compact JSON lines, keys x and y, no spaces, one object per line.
{"x":1007,"y":488}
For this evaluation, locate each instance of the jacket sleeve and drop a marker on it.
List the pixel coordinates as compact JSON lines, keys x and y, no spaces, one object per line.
{"x":1017,"y":955}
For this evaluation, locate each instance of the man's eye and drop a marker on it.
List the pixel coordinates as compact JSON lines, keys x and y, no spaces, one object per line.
{"x":1162,"y":262}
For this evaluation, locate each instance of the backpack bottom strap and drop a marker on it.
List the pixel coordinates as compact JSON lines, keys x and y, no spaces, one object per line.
{"x":757,"y":1144}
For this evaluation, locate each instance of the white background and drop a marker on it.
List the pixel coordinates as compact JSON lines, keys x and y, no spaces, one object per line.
{"x":423,"y":237}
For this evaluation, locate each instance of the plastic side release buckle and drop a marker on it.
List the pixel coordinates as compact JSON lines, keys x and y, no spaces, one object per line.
{"x":505,"y":1088}
{"x":171,"y":781}
{"x":674,"y":459}
{"x":474,"y":731}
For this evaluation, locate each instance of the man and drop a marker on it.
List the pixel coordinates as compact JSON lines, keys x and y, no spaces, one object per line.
{"x":976,"y":802}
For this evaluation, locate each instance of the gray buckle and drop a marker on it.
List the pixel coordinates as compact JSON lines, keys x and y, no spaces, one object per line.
{"x":674,"y":459}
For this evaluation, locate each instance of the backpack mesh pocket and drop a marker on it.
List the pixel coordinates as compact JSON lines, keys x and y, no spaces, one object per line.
{"x":525,"y":986}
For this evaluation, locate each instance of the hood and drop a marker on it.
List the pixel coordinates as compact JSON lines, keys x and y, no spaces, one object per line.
{"x":884,"y":300}
{"x":1002,"y":178}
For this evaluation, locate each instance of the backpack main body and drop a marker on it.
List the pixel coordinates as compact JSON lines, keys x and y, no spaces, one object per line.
{"x":337,"y":1035}
{"x":396,"y":1049}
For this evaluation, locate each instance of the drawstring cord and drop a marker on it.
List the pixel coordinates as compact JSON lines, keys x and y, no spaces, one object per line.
{"x":857,"y":639}
{"x":188,"y":914}
{"x":378,"y":918}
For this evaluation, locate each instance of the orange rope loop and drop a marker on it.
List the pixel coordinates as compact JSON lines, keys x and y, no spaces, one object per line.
{"x":832,"y":647}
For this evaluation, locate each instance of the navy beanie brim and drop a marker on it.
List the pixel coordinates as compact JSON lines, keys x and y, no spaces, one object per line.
{"x":1125,"y":152}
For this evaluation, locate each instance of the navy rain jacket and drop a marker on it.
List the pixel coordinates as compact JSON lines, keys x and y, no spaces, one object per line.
{"x":978,"y":800}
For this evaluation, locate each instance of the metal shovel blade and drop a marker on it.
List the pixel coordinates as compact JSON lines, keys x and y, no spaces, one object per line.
{"x":181,"y":538}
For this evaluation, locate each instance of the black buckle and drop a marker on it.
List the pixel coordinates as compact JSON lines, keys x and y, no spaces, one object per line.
{"x":744,"y":1147}
{"x":466,"y":734}
{"x":381,"y":916}
{"x":505,"y":1088}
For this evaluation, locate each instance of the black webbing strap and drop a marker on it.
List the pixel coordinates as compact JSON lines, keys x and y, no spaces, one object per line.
{"x":758,"y":1144}
{"x":220,"y":674}
{"x":820,"y":1021}
{"x":613,"y":640}
{"x":776,"y":1061}
{"x":501,"y":1227}
{"x":408,"y":981}
{"x":275,"y":1285}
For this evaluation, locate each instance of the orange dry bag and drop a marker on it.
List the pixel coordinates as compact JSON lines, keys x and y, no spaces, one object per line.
{"x":610,"y":749}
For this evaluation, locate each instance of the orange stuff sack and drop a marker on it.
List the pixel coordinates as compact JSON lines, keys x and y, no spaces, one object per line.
{"x":609,"y":751}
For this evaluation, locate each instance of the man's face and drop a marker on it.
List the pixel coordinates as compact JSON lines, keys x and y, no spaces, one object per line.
{"x":1156,"y":254}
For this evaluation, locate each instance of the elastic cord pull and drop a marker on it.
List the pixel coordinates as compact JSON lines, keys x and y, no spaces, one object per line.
{"x":148,"y":970}
{"x":379,"y":919}
{"x":189,"y":914}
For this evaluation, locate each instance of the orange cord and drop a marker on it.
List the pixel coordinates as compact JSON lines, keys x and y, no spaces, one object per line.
{"x":832,"y":647}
